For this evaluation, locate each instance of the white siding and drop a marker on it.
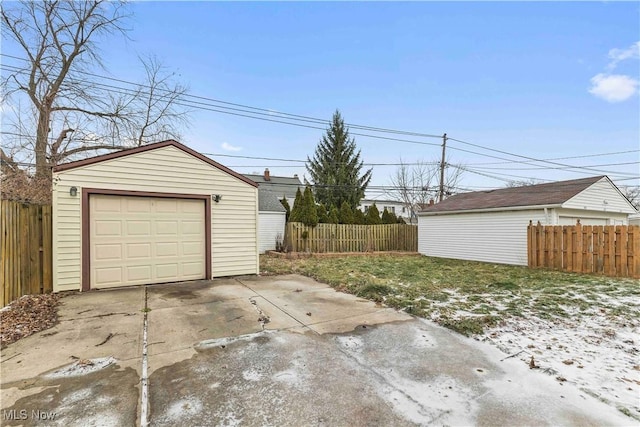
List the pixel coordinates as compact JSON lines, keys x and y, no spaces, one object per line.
{"x":601,"y":196}
{"x":270,"y":227}
{"x":165,"y":170}
{"x":571,"y":216}
{"x":497,"y":237}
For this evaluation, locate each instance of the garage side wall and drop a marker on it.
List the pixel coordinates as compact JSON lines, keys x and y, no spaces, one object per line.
{"x":271,"y":226}
{"x":497,"y":237}
{"x":600,"y":197}
{"x":234,"y":219}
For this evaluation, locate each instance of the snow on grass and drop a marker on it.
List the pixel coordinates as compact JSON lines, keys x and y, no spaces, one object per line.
{"x":599,"y":353}
{"x":580,"y":328}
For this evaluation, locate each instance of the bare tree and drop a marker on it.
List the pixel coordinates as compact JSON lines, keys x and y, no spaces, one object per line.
{"x":633,"y":194}
{"x":74,"y":113}
{"x":156,"y":114}
{"x":415,"y":184}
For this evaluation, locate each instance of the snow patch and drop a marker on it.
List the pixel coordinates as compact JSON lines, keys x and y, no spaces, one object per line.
{"x":219,"y":342}
{"x":183,"y":408}
{"x":252,"y":375}
{"x":599,"y":354}
{"x":350,"y":342}
{"x":82,"y":367}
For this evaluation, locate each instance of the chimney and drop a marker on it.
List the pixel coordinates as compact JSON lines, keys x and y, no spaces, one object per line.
{"x":431,"y":202}
{"x":267,"y":177}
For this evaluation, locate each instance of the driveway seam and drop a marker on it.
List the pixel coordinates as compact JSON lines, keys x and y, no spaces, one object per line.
{"x":276,"y":306}
{"x":144,"y":386}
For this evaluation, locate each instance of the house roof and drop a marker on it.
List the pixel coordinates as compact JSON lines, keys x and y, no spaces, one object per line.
{"x":379,"y":201}
{"x":280,"y":185}
{"x":149,"y":147}
{"x":553,"y":193}
{"x":268,"y":201}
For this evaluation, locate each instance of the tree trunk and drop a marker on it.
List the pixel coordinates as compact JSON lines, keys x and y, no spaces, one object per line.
{"x":42,"y":136}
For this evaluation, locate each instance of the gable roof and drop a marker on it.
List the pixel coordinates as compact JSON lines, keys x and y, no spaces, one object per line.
{"x":280,"y":185}
{"x":149,"y":147}
{"x":549,"y":194}
{"x":268,"y":201}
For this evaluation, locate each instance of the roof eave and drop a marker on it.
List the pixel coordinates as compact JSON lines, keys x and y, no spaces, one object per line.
{"x":154,"y":146}
{"x":498,"y":209}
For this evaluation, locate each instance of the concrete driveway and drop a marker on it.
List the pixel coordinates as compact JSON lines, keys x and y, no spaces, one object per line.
{"x":269,"y":351}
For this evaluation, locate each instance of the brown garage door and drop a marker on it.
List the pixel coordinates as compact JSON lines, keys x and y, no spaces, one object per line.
{"x":143,"y":240}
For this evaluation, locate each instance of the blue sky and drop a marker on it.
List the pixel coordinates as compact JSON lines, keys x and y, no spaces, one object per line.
{"x":543,"y":80}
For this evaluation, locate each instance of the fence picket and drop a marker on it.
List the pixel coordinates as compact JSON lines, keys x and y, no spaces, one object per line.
{"x":26,"y":250}
{"x":609,"y":250}
{"x":351,"y":238}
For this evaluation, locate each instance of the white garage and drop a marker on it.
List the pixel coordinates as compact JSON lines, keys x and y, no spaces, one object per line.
{"x":152,"y":214}
{"x":491,"y":226}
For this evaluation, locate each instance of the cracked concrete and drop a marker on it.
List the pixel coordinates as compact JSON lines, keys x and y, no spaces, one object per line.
{"x":272,"y":351}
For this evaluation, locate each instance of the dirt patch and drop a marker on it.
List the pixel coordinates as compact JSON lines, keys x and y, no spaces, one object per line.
{"x":26,"y":316}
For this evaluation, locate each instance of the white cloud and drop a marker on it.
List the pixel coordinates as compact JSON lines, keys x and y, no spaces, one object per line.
{"x":618,"y":55}
{"x":228,"y":147}
{"x":613,"y":87}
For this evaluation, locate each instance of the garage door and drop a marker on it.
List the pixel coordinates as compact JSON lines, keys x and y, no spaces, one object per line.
{"x":566,"y":220}
{"x":143,"y":240}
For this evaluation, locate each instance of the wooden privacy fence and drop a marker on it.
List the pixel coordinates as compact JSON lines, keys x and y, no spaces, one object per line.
{"x":350,"y":238}
{"x":26,"y":250}
{"x":609,"y":250}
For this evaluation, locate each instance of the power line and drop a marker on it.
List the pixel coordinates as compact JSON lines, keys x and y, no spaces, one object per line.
{"x":530,"y":158}
{"x":258,"y":110}
{"x":558,"y":158}
{"x":262,"y":111}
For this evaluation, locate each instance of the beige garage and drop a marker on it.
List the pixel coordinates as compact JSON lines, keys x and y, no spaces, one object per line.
{"x":153,"y":214}
{"x":143,"y":240}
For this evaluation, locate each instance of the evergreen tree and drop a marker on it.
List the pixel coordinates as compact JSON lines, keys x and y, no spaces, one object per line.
{"x":388,"y":217}
{"x":323,"y":216}
{"x":297,"y":207}
{"x":358,"y":217}
{"x":285,"y":203}
{"x":308,"y":213}
{"x":346,"y":214}
{"x":333,"y":215}
{"x":336,"y":167}
{"x":373,"y":215}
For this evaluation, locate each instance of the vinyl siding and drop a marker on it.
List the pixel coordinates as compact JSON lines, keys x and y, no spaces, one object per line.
{"x":594,"y":198}
{"x":497,"y":237}
{"x":234,"y":219}
{"x":271,"y":225}
{"x":571,"y":216}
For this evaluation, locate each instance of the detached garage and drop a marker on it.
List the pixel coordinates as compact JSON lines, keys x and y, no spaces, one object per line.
{"x":152,"y":214}
{"x":491,"y":226}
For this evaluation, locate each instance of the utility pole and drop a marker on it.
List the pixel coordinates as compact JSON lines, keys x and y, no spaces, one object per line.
{"x":442,"y":165}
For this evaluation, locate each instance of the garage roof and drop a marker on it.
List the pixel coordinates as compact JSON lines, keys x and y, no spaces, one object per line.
{"x":553,"y":193}
{"x":149,"y":147}
{"x":268,"y":201}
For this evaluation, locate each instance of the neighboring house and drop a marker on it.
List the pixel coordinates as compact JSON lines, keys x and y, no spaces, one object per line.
{"x":492,"y":225}
{"x":282,"y":186}
{"x":272,"y":214}
{"x":272,"y":219}
{"x":634,"y":219}
{"x":152,"y":214}
{"x":393,"y":206}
